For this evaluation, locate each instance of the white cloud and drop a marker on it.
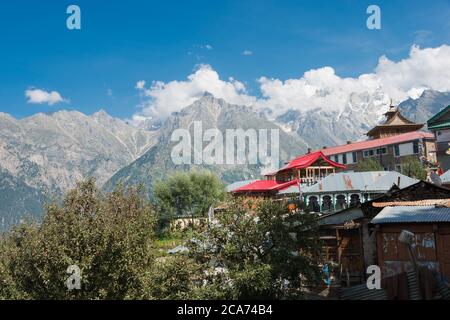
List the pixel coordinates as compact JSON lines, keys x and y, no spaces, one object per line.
{"x":318,"y":88}
{"x":322,"y":88}
{"x":39,"y":96}
{"x":140,"y":85}
{"x":161,"y":99}
{"x":247,"y":53}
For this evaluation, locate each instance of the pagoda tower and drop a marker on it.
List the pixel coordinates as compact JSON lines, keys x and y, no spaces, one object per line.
{"x":394,"y":124}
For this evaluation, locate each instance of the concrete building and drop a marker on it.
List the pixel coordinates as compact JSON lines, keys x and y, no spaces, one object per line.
{"x":440,"y":126}
{"x":390,"y":143}
{"x":343,"y":190}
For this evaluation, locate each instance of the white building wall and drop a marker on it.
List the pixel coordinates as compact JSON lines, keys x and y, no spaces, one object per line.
{"x":406,"y":149}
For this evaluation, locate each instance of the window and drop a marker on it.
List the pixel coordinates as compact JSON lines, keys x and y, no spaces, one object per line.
{"x":354,"y":157}
{"x":354,"y":200}
{"x":397,"y":150}
{"x":344,"y":158}
{"x":416,"y":147}
{"x":326,"y":204}
{"x":373,"y":152}
{"x":336,"y":158}
{"x":341,"y":202}
{"x":314,"y":204}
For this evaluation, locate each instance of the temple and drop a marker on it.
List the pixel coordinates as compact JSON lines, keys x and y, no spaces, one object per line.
{"x":395,"y":124}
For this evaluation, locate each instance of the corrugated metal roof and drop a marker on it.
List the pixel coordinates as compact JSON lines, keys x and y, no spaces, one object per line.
{"x":418,"y":203}
{"x":417,"y":214}
{"x":341,"y":216}
{"x":373,"y":181}
{"x":238,"y":184}
{"x":445,"y":178}
{"x":386,"y":182}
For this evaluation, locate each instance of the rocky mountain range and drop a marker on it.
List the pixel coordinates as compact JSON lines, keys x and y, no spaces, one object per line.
{"x":213,"y":113}
{"x":46,"y":154}
{"x":320,"y":127}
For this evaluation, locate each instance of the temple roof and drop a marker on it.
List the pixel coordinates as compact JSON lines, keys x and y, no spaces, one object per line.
{"x":394,"y":119}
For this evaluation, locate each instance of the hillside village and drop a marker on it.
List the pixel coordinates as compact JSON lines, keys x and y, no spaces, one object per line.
{"x":366,"y":213}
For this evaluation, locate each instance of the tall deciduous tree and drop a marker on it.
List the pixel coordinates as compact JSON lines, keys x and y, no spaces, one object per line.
{"x":413,"y":168}
{"x":188,"y":193}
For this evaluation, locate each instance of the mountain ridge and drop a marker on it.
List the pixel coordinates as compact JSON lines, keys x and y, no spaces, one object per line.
{"x":47,"y":153}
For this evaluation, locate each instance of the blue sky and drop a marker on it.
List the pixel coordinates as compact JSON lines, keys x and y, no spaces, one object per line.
{"x":122,"y":42}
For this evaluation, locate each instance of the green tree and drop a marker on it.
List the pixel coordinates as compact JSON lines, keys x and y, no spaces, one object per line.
{"x":369,"y":164}
{"x":173,"y":278}
{"x":109,"y":237}
{"x":188,"y":194}
{"x":413,"y":168}
{"x":260,"y":251}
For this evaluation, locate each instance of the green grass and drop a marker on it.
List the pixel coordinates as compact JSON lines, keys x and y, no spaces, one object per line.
{"x":170,"y":241}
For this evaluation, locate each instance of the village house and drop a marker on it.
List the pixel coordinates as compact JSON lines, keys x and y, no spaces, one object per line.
{"x":440,"y":126}
{"x":347,"y":189}
{"x":389,"y":143}
{"x":354,"y":239}
{"x":303,"y":171}
{"x":428,"y":220}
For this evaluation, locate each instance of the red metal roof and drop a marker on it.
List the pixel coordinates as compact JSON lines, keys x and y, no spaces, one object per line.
{"x":265,"y":186}
{"x":308,"y":159}
{"x":374,"y":143}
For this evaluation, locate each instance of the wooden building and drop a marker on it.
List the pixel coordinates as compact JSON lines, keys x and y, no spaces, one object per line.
{"x":302,"y":171}
{"x":429,"y":221}
{"x":351,"y":239}
{"x":390,"y":143}
{"x":394,"y":125}
{"x":342,"y":190}
{"x":309,"y":169}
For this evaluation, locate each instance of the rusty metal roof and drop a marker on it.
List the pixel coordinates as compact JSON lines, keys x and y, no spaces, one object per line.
{"x":417,"y":203}
{"x":415,"y":214}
